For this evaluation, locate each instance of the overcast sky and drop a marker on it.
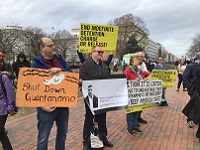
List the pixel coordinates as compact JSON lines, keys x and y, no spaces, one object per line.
{"x":172,"y":23}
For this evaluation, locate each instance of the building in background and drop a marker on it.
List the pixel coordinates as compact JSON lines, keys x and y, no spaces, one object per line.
{"x":152,"y":50}
{"x":155,"y":50}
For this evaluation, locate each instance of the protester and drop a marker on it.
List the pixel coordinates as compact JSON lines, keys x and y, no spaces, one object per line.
{"x":189,"y":75}
{"x":5,"y":67}
{"x":82,"y":58}
{"x":47,"y":115}
{"x":191,"y":110}
{"x":161,"y":66}
{"x":134,"y":73}
{"x":94,"y":67}
{"x":7,"y":106}
{"x":181,"y":68}
{"x":142,"y":66}
{"x":21,"y":62}
{"x":196,"y":99}
{"x":106,"y":61}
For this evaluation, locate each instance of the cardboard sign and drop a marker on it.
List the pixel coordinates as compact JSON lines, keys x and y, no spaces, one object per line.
{"x":167,"y":76}
{"x":93,"y":34}
{"x":37,"y":88}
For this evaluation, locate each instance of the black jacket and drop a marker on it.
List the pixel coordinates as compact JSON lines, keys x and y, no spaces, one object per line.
{"x":17,"y":65}
{"x":8,"y":67}
{"x":90,"y":68}
{"x":189,"y":74}
{"x":95,"y":101}
{"x":192,"y":108}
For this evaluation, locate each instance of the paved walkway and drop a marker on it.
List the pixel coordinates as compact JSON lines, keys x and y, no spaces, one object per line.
{"x":166,"y":128}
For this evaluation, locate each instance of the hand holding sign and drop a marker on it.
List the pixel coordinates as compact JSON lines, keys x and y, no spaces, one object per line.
{"x":48,"y":108}
{"x":54,"y":70}
{"x":12,"y":113}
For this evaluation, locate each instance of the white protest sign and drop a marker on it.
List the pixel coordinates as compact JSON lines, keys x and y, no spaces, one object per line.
{"x":106,"y":94}
{"x":144,"y":91}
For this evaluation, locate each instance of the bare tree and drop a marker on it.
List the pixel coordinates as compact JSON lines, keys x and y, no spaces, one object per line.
{"x":63,"y":41}
{"x":10,"y":41}
{"x":130,"y":26}
{"x":195,"y":47}
{"x":32,"y":36}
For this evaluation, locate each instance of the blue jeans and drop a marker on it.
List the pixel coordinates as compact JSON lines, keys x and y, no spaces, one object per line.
{"x":132,"y":120}
{"x":45,"y":123}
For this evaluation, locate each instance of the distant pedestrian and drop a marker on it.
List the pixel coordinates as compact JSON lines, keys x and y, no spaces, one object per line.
{"x":123,"y":65}
{"x":181,"y":68}
{"x":176,"y":64}
{"x":115,"y":66}
{"x":21,"y":62}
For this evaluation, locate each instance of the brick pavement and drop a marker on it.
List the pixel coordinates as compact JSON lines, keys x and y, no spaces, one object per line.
{"x":166,"y":128}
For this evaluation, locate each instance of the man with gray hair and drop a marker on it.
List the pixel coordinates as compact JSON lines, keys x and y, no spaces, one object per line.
{"x":142,"y":65}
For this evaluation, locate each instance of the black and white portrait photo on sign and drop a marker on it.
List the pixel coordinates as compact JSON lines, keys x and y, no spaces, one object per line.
{"x":105,"y":93}
{"x":91,"y":99}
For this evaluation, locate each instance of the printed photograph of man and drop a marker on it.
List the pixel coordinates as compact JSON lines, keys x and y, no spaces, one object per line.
{"x":91,"y":99}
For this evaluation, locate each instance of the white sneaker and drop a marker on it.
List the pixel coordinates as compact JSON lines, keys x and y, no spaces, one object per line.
{"x":190,"y":124}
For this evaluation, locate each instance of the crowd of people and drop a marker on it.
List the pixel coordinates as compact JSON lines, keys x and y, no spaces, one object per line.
{"x":93,"y":65}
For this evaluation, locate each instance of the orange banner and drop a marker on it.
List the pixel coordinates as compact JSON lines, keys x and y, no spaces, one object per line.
{"x":37,"y":88}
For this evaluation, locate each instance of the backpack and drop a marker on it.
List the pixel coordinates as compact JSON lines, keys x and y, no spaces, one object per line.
{"x":4,"y":89}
